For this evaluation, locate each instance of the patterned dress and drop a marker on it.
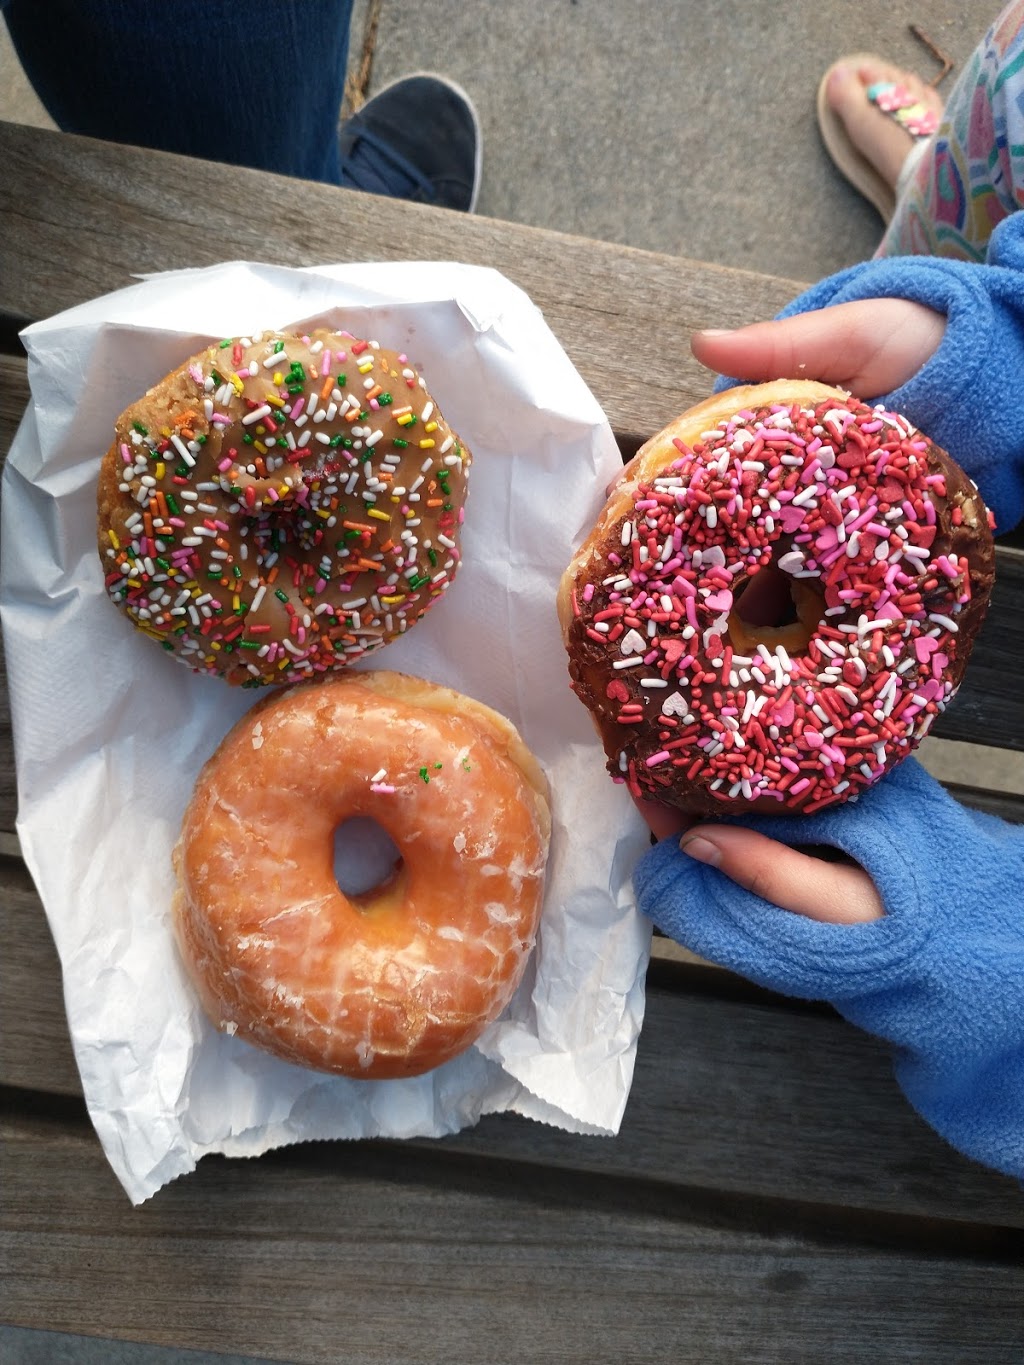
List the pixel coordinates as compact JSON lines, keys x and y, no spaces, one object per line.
{"x":971,"y":174}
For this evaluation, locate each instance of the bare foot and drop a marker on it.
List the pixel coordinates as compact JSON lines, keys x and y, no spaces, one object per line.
{"x":875,"y":134}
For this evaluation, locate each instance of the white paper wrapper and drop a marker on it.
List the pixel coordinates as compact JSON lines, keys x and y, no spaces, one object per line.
{"x":110,"y":732}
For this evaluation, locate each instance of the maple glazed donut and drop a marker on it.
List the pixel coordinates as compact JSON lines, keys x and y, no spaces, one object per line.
{"x":279,"y":506}
{"x":776,"y":602}
{"x":399,"y":980}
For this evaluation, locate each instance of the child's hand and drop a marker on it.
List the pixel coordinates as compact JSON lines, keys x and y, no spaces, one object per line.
{"x":869,"y":347}
{"x":834,"y":892}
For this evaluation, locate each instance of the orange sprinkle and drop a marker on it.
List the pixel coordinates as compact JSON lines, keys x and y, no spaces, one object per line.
{"x":326,"y":387}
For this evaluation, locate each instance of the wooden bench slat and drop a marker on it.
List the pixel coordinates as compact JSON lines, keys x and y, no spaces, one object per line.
{"x":721,"y":1073}
{"x":625,"y":316}
{"x":366,"y":1241}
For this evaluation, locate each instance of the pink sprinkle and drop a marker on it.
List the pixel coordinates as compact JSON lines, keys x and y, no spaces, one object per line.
{"x":657,"y":758}
{"x":325,"y":367}
{"x":382,"y":788}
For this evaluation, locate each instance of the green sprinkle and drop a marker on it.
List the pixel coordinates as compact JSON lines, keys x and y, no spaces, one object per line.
{"x":432,"y":557}
{"x":225,"y":343}
{"x":281,"y":596}
{"x":400,"y":443}
{"x":143,"y":431}
{"x":425,"y":775}
{"x":384,"y":399}
{"x":173,"y":505}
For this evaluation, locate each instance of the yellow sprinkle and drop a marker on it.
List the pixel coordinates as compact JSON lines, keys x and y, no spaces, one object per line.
{"x":114,"y":540}
{"x":366,"y":366}
{"x":258,"y":445}
{"x":406,"y":420}
{"x":323,"y":512}
{"x":165,"y":431}
{"x":278,"y":377}
{"x":160,"y":470}
{"x":392,"y":601}
{"x":431,"y":426}
{"x":236,"y":602}
{"x":427,"y":444}
{"x":273,"y":400}
{"x":237,"y":383}
{"x":375,"y":512}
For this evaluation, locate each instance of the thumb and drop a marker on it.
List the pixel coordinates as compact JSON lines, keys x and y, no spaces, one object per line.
{"x":839,"y":893}
{"x":870,"y":346}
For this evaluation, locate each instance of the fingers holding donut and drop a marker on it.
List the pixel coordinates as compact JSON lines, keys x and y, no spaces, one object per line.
{"x":870,"y":347}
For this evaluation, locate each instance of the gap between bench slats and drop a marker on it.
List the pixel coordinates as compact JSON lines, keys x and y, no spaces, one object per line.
{"x":734,"y":1090}
{"x":234,"y":1259}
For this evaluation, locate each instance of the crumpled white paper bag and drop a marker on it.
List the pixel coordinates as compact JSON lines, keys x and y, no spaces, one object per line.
{"x":110,"y":732}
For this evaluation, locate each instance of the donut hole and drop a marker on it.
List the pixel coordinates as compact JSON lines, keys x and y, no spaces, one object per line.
{"x":773,"y":608}
{"x":367,"y":861}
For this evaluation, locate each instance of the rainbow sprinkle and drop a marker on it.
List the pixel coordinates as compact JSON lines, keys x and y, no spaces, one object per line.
{"x":263,"y":516}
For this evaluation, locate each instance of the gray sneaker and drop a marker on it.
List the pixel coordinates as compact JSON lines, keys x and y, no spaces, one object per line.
{"x":418,"y":139}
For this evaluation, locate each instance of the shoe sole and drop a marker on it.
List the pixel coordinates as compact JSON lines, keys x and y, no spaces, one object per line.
{"x":478,"y":161}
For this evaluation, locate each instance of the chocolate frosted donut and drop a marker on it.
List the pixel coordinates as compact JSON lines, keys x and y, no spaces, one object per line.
{"x":280,"y":506}
{"x":778,"y":599}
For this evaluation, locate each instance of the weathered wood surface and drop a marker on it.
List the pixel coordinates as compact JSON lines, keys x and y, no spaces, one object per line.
{"x":771,"y":1195}
{"x":357,"y":1254}
{"x":83,"y":217}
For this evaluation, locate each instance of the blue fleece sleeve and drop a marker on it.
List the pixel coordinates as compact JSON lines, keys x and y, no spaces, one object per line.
{"x":969,"y":397}
{"x":941,"y":977}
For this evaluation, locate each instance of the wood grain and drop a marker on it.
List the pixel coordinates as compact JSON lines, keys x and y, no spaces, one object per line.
{"x":624,"y":316}
{"x":368,"y":1254}
{"x":722,"y":1070}
{"x":770,"y":1196}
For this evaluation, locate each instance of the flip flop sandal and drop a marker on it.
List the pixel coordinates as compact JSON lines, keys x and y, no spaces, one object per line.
{"x":892,"y":99}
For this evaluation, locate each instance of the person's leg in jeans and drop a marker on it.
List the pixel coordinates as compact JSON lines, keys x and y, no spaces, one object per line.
{"x":248,"y":82}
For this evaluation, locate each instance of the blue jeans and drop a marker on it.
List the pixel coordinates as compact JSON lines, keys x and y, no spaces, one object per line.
{"x":250,"y":82}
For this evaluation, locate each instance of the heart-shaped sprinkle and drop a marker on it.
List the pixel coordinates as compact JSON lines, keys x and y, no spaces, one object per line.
{"x":720,"y":601}
{"x":633,"y":643}
{"x":674,"y":705}
{"x":617,"y":691}
{"x":792,"y":518}
{"x":924,"y":647}
{"x":783,"y":715}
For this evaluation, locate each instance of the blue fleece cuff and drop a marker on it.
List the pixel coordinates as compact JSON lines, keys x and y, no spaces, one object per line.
{"x":941,"y":976}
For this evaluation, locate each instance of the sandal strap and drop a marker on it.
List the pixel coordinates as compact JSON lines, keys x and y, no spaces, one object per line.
{"x":908,"y":111}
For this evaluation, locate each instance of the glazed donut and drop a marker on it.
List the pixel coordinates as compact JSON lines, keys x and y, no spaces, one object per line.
{"x":399,"y":980}
{"x":777,"y":600}
{"x":279,"y":506}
